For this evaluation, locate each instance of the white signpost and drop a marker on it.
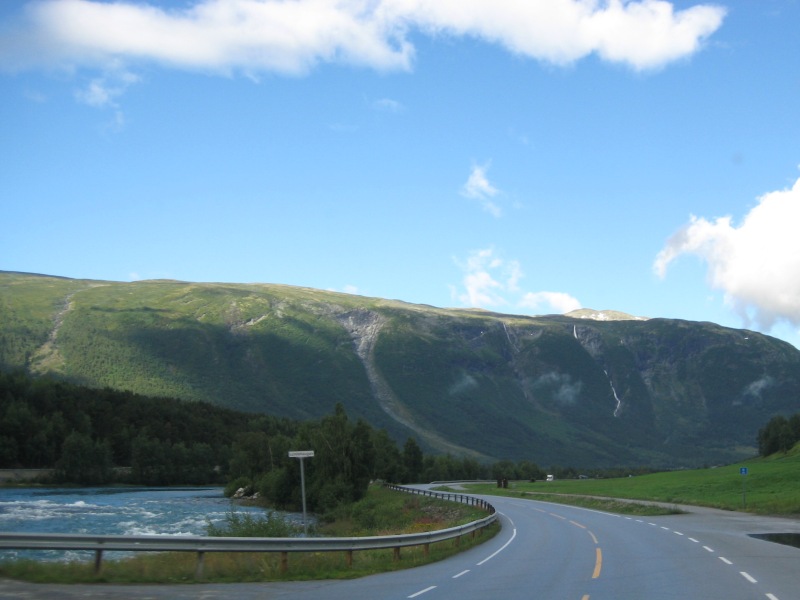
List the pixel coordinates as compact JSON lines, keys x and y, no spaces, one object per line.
{"x":301,"y":454}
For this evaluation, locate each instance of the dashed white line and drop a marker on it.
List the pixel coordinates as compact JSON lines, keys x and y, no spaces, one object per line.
{"x":460,"y":574}
{"x":747,"y":576}
{"x":744,"y":574}
{"x":426,"y":590}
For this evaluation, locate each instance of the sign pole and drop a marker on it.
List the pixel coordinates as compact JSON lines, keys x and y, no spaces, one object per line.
{"x":743,"y":473}
{"x":301,"y":454}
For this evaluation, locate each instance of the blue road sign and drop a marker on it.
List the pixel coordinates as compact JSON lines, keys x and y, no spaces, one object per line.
{"x":742,"y":470}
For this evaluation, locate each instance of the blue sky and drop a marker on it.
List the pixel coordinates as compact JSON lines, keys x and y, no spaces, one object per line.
{"x":524,"y":156}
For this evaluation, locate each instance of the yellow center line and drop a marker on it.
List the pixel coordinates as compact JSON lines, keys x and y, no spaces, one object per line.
{"x":598,"y":564}
{"x":586,"y":597}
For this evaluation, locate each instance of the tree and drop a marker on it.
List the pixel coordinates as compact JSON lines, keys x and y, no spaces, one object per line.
{"x":149,"y":460}
{"x":199,"y":467}
{"x":388,"y":464}
{"x":529,"y":470}
{"x":412,"y":461}
{"x":775,"y":436}
{"x":362,"y":458}
{"x":84,"y":461}
{"x":794,"y":424}
{"x":251,"y":455}
{"x":504,"y":469}
{"x":340,"y":470}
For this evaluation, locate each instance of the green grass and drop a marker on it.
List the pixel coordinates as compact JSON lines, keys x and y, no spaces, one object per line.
{"x":381,"y":512}
{"x":772,"y":486}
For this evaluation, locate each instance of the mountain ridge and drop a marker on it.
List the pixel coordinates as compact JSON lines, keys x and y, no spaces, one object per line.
{"x":555,"y":389}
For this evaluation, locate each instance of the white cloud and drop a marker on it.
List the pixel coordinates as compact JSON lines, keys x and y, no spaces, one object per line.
{"x":388,"y":105}
{"x":256,"y":36}
{"x":215,"y":35}
{"x":492,"y":281}
{"x":756,"y":265}
{"x":486,"y":278}
{"x":642,"y":34}
{"x":101,"y":92}
{"x":478,"y":188}
{"x":560,"y":387}
{"x":555,"y":302}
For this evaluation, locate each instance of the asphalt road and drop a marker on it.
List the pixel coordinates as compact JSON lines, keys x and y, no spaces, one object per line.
{"x":550,"y":552}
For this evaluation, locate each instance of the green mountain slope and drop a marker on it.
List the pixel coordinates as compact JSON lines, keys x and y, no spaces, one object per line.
{"x":555,"y":390}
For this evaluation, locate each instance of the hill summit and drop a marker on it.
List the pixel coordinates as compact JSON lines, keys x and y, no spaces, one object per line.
{"x":588,"y":389}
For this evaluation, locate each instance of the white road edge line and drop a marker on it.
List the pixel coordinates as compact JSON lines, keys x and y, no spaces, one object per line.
{"x":503,"y":547}
{"x":419,"y":593}
{"x":747,"y":576}
{"x":464,"y":572}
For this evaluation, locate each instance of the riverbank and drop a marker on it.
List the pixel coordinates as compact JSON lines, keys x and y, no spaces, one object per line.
{"x":25,"y":476}
{"x":382,"y":512}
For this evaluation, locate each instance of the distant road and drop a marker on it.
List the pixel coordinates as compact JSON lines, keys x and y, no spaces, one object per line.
{"x":549,"y":552}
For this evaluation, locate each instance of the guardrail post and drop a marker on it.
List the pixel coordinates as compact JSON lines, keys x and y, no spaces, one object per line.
{"x":284,"y":562}
{"x":98,"y":561}
{"x":198,"y":570}
{"x":396,"y":553}
{"x":426,"y":550}
{"x":349,"y":554}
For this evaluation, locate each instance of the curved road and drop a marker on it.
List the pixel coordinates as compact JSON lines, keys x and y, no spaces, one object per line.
{"x":547,"y":551}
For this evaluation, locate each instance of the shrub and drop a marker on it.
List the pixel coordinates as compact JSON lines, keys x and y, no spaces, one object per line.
{"x":245,"y":524}
{"x":240,"y":482}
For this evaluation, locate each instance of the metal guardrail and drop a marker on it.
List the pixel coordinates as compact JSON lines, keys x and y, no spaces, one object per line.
{"x":202,"y":544}
{"x":451,"y":496}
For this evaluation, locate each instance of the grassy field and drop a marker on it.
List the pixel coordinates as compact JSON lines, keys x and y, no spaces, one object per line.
{"x":382,"y":512}
{"x":771,"y":486}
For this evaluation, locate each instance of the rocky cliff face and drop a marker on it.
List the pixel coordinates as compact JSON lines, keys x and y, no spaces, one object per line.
{"x":567,"y":390}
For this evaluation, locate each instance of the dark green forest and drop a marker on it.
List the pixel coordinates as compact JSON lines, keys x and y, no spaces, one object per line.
{"x":101,"y":436}
{"x":780,"y":434}
{"x":104,"y":436}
